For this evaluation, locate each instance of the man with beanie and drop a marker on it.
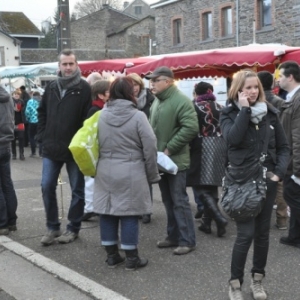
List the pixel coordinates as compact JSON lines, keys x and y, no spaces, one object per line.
{"x":174,"y":121}
{"x":267,"y":80}
{"x":63,"y":108}
{"x":8,"y":198}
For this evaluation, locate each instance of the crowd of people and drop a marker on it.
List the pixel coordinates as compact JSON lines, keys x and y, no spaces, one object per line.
{"x":136,"y":122}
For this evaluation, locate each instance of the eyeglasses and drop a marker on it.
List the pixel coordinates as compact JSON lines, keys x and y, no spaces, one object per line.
{"x":157,"y":80}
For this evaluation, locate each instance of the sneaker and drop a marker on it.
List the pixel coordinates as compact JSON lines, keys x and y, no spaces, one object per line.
{"x":67,"y":237}
{"x":166,"y":244}
{"x":4,"y":231}
{"x":33,"y":155}
{"x":235,"y":292}
{"x":281,"y":226}
{"x":290,"y":242}
{"x":89,"y":215}
{"x":50,"y":236}
{"x":22,"y":157}
{"x":181,"y":250}
{"x":257,"y":288}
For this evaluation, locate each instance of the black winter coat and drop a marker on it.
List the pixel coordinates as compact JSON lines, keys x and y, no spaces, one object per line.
{"x":245,"y":140}
{"x":60,"y":118}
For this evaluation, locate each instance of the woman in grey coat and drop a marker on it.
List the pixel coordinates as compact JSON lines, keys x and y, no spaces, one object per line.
{"x":126,"y":166}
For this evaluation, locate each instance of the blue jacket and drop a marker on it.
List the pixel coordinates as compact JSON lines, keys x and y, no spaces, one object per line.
{"x":31,"y":112}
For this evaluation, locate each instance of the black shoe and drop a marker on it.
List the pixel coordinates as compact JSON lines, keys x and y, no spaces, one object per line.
{"x":205,"y":225}
{"x":14,"y":157}
{"x":290,"y":242}
{"x":22,"y":157}
{"x":113,"y":257}
{"x":87,"y":216}
{"x":198,"y":214}
{"x":146,"y":219}
{"x":133,"y":261}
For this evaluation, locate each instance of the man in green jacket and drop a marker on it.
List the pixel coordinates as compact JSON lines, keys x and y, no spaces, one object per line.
{"x":174,"y":121}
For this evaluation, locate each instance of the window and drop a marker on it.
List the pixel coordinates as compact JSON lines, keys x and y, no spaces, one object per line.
{"x":226,"y":21}
{"x":177,"y":32}
{"x":265,"y":13}
{"x":207,"y":25}
{"x":138,"y":10}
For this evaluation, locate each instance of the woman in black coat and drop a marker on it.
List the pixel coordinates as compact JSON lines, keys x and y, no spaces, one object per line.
{"x":243,"y":125}
{"x":207,"y":168}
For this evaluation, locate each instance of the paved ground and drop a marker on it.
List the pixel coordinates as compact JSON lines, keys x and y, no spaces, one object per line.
{"x":202,"y":274}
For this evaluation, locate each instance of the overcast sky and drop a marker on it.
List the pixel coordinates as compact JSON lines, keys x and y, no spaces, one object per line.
{"x":39,"y":10}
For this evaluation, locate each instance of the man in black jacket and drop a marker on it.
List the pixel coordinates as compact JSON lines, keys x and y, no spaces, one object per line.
{"x":63,"y":109}
{"x":267,"y":80}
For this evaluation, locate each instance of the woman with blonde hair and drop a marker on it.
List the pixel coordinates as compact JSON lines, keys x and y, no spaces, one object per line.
{"x":245,"y":124}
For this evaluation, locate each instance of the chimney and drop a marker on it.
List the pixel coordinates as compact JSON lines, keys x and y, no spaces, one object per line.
{"x":126,"y":3}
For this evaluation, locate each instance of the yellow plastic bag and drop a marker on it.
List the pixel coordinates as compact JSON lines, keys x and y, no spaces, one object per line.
{"x":85,"y":147}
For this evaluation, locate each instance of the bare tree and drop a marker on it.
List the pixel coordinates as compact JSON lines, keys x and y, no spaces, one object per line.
{"x":86,"y":7}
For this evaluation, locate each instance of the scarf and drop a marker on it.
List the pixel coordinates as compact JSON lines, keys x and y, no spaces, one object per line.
{"x":258,"y":111}
{"x":99,"y":103}
{"x":209,"y":96}
{"x":142,"y":99}
{"x":65,"y":83}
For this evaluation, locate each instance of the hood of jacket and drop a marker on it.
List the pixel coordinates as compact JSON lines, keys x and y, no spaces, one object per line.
{"x":118,"y":112}
{"x":4,"y":95}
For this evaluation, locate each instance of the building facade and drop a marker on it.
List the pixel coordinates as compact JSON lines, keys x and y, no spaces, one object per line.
{"x":138,"y":9}
{"x":187,"y":25}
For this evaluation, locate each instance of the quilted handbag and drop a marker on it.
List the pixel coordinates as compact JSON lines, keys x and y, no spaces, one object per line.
{"x":85,"y":147}
{"x":212,"y":160}
{"x":244,"y":192}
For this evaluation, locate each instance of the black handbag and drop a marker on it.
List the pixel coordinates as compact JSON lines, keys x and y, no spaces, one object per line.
{"x":244,"y":188}
{"x":212,"y":160}
{"x":243,"y":196}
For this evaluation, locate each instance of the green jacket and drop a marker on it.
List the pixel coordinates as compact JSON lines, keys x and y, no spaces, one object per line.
{"x":174,"y":121}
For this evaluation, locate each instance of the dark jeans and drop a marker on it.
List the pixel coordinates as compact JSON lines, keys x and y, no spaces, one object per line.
{"x":8,"y":198}
{"x":32,"y":130}
{"x":109,"y":226}
{"x":180,"y":223}
{"x":200,"y":206}
{"x":292,"y":197}
{"x":257,"y":230}
{"x":51,"y":170}
{"x":19,"y":135}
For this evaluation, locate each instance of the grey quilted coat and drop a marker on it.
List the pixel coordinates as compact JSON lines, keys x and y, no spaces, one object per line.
{"x":128,"y":161}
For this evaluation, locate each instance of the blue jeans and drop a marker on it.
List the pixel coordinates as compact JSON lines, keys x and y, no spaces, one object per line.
{"x":8,"y":198}
{"x":257,"y":230}
{"x":51,"y":170}
{"x":109,"y":226}
{"x":180,"y":223}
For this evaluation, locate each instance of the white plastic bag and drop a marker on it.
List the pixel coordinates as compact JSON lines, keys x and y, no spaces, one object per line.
{"x":166,"y":164}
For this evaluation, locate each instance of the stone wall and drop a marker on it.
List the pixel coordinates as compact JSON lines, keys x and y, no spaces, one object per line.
{"x":285,"y":26}
{"x":135,"y":39}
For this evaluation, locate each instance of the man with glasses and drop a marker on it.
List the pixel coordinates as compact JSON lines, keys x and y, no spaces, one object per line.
{"x":175,"y":124}
{"x":64,"y":106}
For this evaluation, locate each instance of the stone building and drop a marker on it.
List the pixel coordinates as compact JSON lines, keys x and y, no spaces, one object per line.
{"x":135,"y":38}
{"x":138,"y":8}
{"x":187,"y":25}
{"x":103,"y":35}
